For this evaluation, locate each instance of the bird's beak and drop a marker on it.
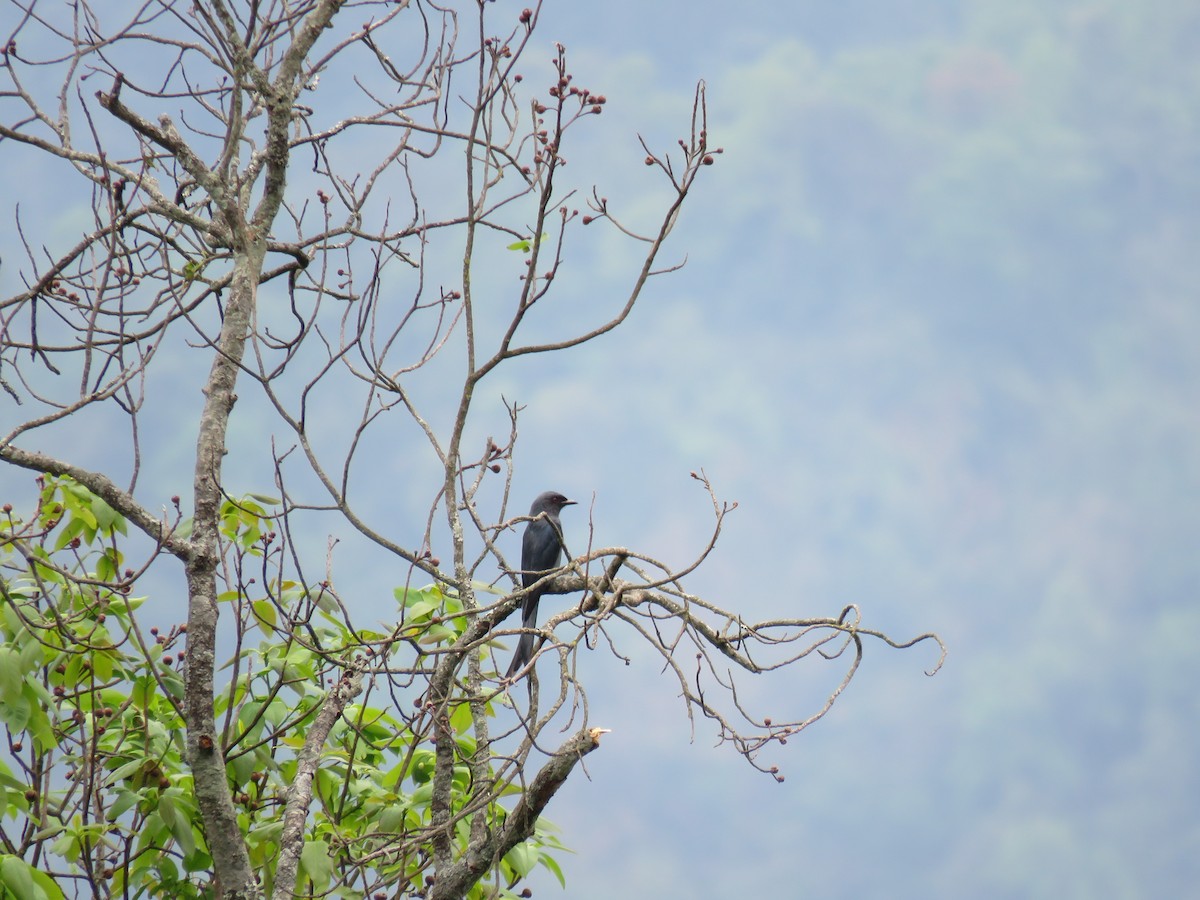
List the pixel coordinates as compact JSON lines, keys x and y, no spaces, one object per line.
{"x":570,"y":503}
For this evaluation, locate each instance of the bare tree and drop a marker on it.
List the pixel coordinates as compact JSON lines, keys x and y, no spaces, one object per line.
{"x":306,"y":194}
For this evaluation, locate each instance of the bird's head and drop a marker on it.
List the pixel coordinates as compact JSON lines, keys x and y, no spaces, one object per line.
{"x":551,"y":502}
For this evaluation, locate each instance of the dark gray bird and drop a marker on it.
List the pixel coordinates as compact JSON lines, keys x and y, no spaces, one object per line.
{"x":541,"y":552}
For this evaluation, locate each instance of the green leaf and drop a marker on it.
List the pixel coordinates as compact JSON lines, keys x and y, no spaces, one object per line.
{"x":106,"y":518}
{"x":524,"y":244}
{"x":391,"y":819}
{"x":460,"y":718}
{"x":10,"y":672}
{"x":170,"y":874}
{"x":522,"y":858}
{"x":550,"y":863}
{"x":33,"y":654}
{"x":39,"y":724}
{"x":264,"y":612}
{"x":15,"y":713}
{"x":55,"y":827}
{"x":6,"y":776}
{"x":437,"y":634}
{"x":125,"y":801}
{"x":324,"y":600}
{"x":168,"y":812}
{"x":126,"y":770}
{"x":106,"y":570}
{"x":197,"y":860}
{"x":43,"y":886}
{"x":316,"y":864}
{"x":67,"y":847}
{"x":73,"y":530}
{"x":84,"y":514}
{"x":269,"y":832}
{"x":182,"y":829}
{"x":142,"y":690}
{"x":49,"y":887}
{"x":418,"y":604}
{"x":123,"y":605}
{"x":102,"y":663}
{"x":17,"y":877}
{"x":243,"y":766}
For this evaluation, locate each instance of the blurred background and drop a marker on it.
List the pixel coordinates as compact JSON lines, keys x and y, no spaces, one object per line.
{"x":938,"y":335}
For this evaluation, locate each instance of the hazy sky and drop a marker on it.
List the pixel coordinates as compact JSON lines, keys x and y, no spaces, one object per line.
{"x":937,"y":334}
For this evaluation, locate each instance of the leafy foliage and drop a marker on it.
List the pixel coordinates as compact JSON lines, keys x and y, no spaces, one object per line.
{"x":90,"y":691}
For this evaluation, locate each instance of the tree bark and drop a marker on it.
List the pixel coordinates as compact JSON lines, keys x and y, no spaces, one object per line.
{"x":213,"y":795}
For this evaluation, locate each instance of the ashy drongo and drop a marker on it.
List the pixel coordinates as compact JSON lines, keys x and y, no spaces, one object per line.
{"x":541,"y":552}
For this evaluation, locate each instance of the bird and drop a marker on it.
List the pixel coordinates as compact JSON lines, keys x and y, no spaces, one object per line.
{"x":541,"y":551}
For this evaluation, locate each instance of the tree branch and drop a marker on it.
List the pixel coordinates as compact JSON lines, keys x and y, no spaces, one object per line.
{"x":453,"y":881}
{"x":299,"y":792}
{"x":104,"y":488}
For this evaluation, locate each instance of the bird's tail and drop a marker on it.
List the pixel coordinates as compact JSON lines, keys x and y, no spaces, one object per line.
{"x":528,"y":640}
{"x":522,"y":656}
